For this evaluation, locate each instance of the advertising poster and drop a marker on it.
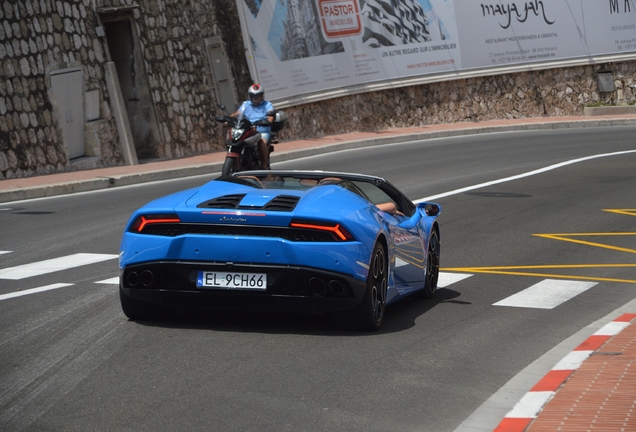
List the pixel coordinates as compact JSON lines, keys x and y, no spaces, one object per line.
{"x":313,"y":47}
{"x":610,"y":26}
{"x":305,"y":46}
{"x":499,"y":33}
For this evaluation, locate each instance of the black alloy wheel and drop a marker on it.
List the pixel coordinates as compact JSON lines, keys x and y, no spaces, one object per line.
{"x":432,"y":266}
{"x":369,"y":314}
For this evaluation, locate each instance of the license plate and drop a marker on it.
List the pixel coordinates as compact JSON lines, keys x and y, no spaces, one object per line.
{"x":232,"y":281}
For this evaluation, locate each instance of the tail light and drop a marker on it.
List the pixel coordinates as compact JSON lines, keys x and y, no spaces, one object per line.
{"x":143,"y":221}
{"x":338,"y":231}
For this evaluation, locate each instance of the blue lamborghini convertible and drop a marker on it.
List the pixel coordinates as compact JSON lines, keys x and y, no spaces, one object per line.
{"x":295,"y":241}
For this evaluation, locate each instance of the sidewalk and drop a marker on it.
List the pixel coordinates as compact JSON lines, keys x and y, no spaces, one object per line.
{"x":593,"y":388}
{"x":601,"y":394}
{"x":597,"y":393}
{"x":88,"y":180}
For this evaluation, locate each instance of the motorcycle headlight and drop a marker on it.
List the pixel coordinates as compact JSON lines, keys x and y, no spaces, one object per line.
{"x":236,"y":133}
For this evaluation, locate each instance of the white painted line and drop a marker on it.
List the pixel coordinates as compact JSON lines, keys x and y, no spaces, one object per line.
{"x":520,"y":176}
{"x":612,"y":328}
{"x":53,"y":265}
{"x":446,"y":279}
{"x":33,"y":290}
{"x":546,"y":294}
{"x":111,"y":281}
{"x":5,"y":252}
{"x":400,"y":262}
{"x":530,"y":404}
{"x":573,"y":360}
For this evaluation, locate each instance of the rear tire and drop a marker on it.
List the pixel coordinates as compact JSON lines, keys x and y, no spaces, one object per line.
{"x":137,"y":310}
{"x":229,"y":166}
{"x":369,"y":314}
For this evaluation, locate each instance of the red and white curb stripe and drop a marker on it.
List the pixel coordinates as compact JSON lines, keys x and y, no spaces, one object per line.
{"x":530,"y":405}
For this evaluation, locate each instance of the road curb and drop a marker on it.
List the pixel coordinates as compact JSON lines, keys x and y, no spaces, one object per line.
{"x":98,"y":183}
{"x":531,"y":404}
{"x":489,"y":415}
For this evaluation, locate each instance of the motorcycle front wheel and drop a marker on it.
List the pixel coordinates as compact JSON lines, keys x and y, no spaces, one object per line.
{"x":229,"y":166}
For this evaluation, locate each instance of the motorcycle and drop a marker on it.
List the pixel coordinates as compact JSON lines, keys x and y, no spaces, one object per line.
{"x":242,"y":143}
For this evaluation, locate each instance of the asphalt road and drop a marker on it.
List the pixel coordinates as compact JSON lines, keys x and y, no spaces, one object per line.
{"x":70,"y":360}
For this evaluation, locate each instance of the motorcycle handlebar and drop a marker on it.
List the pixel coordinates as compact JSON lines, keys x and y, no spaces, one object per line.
{"x":224,"y":119}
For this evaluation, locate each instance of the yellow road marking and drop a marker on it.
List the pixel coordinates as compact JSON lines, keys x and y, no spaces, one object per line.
{"x":564,"y":237}
{"x":547,"y":266}
{"x":514,"y":270}
{"x":630,"y":212}
{"x":502,"y":271}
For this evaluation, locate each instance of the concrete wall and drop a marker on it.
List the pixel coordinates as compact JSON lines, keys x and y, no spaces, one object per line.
{"x":40,"y":37}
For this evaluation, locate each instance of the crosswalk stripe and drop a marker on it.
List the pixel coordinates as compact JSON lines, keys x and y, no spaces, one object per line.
{"x":546,"y":294}
{"x":111,"y":281}
{"x":53,"y":265}
{"x":34,"y":290}
{"x":446,"y":279}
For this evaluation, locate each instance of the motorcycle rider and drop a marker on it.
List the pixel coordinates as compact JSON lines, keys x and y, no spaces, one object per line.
{"x":256,"y":108}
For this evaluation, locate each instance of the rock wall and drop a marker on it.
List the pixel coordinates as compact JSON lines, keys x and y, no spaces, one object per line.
{"x":40,"y":38}
{"x":552,"y":92}
{"x":43,"y":37}
{"x":37,"y":38}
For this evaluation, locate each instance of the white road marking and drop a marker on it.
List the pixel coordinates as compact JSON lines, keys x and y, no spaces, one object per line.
{"x":546,"y":294}
{"x":520,"y":176}
{"x":34,"y":290}
{"x":446,"y":279}
{"x":111,"y":281}
{"x":53,"y":265}
{"x":5,"y":252}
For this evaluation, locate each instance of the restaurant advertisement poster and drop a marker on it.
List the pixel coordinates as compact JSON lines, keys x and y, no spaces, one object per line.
{"x":302,"y":47}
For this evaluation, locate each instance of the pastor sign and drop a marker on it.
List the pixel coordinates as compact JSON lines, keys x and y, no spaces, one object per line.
{"x":339,"y":18}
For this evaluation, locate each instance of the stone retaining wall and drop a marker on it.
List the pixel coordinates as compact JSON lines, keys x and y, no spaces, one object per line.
{"x":552,"y":92}
{"x":43,"y":37}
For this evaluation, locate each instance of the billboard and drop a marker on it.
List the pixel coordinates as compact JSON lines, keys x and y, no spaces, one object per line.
{"x":313,"y":47}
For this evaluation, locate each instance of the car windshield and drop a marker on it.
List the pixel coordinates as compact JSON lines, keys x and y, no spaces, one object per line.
{"x":367,"y":189}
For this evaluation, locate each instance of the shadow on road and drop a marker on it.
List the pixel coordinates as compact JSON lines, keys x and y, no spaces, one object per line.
{"x":399,"y":316}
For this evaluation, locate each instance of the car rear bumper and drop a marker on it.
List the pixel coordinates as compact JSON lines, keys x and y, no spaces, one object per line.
{"x":289,"y":288}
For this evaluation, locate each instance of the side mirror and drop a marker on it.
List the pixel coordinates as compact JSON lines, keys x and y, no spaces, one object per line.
{"x":431,"y":209}
{"x":425,"y":209}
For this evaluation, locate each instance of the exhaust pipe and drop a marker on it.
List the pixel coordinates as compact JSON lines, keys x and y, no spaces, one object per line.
{"x":147,"y":277}
{"x":336,"y":288}
{"x":132,"y":279}
{"x":317,"y":285}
